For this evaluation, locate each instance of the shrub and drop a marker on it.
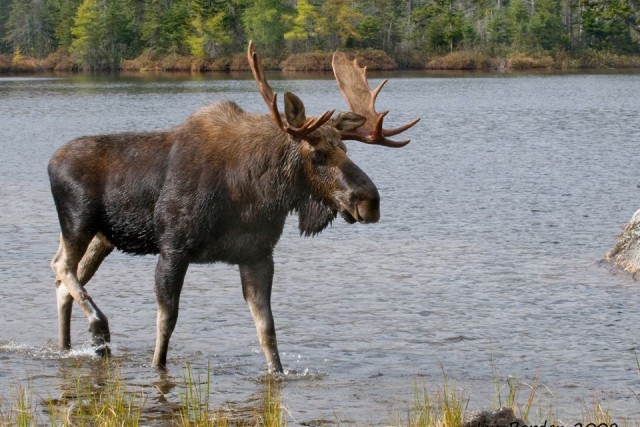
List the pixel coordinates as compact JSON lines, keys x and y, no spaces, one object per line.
{"x":524,"y":62}
{"x":462,"y":60}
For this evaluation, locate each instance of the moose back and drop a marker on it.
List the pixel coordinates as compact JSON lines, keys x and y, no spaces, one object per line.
{"x":215,"y":188}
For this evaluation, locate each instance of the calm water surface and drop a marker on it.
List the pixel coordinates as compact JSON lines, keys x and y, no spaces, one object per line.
{"x":484,"y":264}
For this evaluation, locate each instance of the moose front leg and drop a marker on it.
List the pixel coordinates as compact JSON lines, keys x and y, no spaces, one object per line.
{"x":257,"y":279}
{"x":170,"y":272}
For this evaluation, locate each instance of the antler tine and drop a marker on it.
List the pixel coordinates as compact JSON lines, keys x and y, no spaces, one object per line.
{"x":376,"y":91}
{"x":317,"y":122}
{"x":353,"y":84}
{"x":400,"y":129}
{"x":263,"y":85}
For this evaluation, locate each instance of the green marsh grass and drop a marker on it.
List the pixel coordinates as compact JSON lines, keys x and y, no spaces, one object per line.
{"x":20,"y":411}
{"x":107,"y":404}
{"x":111,"y":403}
{"x":444,"y":409}
{"x":194,"y":401}
{"x":273,"y":411}
{"x":507,"y":394}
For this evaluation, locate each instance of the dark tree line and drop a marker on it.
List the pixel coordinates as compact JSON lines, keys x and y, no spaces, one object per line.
{"x":101,"y":33}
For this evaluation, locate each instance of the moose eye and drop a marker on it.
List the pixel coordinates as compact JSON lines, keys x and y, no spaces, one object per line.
{"x":318,"y":157}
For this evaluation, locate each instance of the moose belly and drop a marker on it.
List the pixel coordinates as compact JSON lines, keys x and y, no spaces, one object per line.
{"x":130,"y":227}
{"x":243,"y":245}
{"x":134,"y":237}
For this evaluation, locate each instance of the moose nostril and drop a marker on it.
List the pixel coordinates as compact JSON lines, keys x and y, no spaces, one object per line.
{"x":368,"y":210}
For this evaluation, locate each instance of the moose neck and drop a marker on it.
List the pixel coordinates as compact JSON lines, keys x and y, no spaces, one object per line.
{"x":293,"y":191}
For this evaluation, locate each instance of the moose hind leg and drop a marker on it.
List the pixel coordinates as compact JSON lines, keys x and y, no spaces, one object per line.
{"x":170,"y":272}
{"x":257,"y":280}
{"x":74,"y":265}
{"x":64,"y":302}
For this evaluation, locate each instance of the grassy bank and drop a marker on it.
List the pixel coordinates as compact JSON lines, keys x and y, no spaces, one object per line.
{"x":149,"y":61}
{"x":114,"y":403}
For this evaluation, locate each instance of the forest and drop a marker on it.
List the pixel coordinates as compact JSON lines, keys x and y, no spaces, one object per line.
{"x":105,"y":34}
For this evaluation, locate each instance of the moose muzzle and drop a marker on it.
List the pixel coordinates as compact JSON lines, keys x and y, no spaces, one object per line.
{"x":361,"y":200}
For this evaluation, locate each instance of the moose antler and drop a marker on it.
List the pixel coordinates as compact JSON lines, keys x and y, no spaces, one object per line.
{"x":270,"y":98}
{"x":353,"y":84}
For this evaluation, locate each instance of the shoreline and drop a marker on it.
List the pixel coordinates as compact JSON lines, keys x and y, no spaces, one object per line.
{"x":375,"y":60}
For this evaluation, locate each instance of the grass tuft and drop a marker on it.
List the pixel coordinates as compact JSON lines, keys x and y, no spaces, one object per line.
{"x":194,"y":401}
{"x":20,"y":412}
{"x":444,"y":409}
{"x":106,"y":404}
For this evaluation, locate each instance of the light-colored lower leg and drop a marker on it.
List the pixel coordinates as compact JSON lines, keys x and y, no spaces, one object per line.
{"x":165,"y":324}
{"x":266,"y":335}
{"x":97,"y":251}
{"x":257,"y":279}
{"x":65,"y":304}
{"x":170,"y":272}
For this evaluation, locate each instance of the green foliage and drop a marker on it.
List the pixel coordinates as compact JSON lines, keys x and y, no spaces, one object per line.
{"x":548,"y":31}
{"x":341,"y":21}
{"x":87,"y":33}
{"x":65,"y":12}
{"x":102,"y":33}
{"x":306,"y":24}
{"x":164,"y":25}
{"x":210,"y":31}
{"x":266,"y":22}
{"x":445,"y":25}
{"x":610,"y":25}
{"x":209,"y":35}
{"x":29,"y":27}
{"x":370,"y":31}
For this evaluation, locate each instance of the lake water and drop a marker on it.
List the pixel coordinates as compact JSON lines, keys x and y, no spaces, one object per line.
{"x":484,"y":265}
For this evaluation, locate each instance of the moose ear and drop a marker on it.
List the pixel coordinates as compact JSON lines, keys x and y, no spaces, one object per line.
{"x":349,"y":121}
{"x":294,"y":110}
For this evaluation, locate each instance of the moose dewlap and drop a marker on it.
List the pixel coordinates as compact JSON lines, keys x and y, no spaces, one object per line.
{"x":216,"y":188}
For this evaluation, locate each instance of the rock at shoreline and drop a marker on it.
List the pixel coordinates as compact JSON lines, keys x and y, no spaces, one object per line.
{"x":503,"y":417}
{"x":626,"y":253}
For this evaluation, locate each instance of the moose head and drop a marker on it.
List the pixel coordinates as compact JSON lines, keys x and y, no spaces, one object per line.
{"x":339,"y":182}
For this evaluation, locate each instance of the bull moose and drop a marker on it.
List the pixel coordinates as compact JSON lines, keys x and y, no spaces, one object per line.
{"x":217,"y":187}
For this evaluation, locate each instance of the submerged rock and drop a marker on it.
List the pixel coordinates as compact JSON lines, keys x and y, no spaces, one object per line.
{"x":626,"y":253}
{"x":503,"y":417}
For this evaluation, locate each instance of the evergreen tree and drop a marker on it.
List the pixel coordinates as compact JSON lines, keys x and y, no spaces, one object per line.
{"x":87,"y":32}
{"x":341,"y":21}
{"x":393,"y":15}
{"x":443,"y":26}
{"x":610,"y":25}
{"x":307,"y":23}
{"x":102,"y":34}
{"x":164,"y":26}
{"x":28,"y":27}
{"x":64,"y":15}
{"x":210,"y":32}
{"x":370,"y":32}
{"x":266,"y":22}
{"x":548,"y":30}
{"x":5,"y":8}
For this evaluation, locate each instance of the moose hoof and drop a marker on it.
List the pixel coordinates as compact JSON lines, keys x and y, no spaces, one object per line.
{"x":100,"y":337}
{"x":102,"y":350}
